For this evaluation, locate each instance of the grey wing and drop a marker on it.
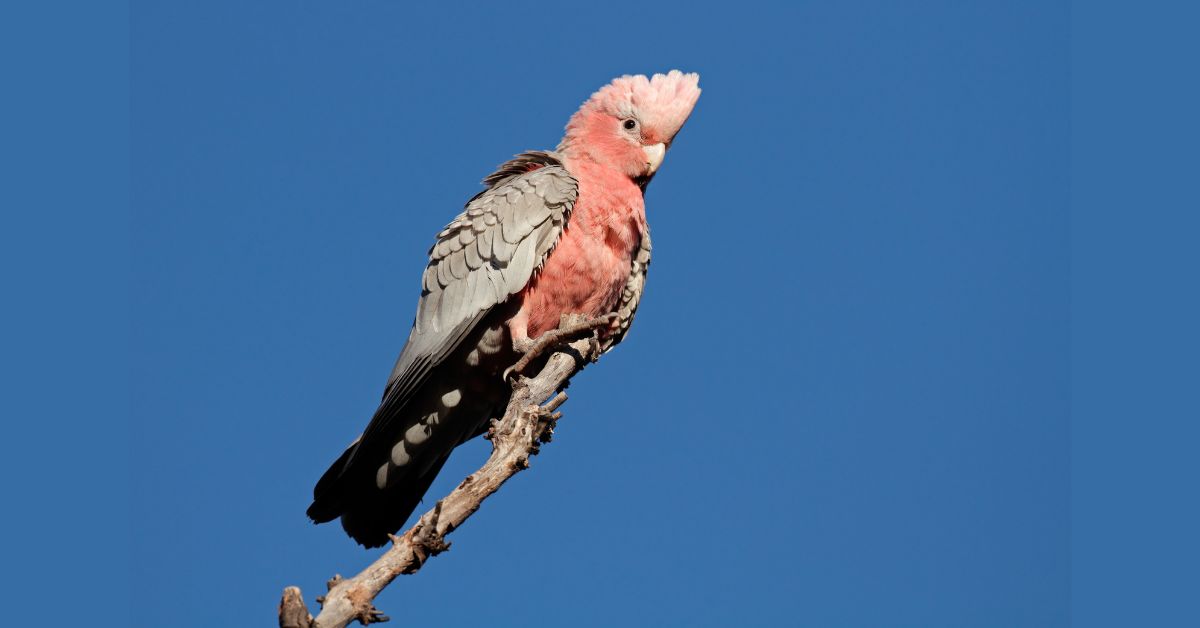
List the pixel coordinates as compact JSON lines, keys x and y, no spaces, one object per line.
{"x":631,"y":295}
{"x":483,"y":257}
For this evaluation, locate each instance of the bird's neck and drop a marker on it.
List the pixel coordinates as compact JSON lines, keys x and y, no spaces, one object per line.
{"x":610,"y":204}
{"x":583,"y":166}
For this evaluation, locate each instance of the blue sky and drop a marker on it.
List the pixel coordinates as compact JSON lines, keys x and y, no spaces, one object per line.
{"x":906,"y":358}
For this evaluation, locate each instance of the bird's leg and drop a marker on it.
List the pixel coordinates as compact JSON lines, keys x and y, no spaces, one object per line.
{"x":572,"y":327}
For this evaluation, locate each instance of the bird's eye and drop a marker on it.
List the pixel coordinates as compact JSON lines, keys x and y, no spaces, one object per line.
{"x":630,"y":124}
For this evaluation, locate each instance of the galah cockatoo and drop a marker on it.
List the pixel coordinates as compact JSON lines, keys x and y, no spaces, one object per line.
{"x":555,"y":233}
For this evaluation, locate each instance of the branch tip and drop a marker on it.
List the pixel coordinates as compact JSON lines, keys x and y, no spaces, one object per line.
{"x":292,"y":611}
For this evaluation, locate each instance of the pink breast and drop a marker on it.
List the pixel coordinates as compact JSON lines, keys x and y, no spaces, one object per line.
{"x":587,"y":270}
{"x":579,"y":277}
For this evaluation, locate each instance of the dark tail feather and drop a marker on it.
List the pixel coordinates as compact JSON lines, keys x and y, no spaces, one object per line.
{"x":327,"y":499}
{"x":368,"y":514}
{"x":380,"y":479}
{"x":371,"y":518}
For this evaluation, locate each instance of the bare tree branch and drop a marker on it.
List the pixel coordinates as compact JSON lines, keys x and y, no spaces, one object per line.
{"x":526,"y":424}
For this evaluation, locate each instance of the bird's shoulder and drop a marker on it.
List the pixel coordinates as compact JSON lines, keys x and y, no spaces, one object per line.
{"x":491,"y":249}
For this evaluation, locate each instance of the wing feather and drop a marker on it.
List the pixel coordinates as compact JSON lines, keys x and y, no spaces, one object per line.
{"x":502,"y":249}
{"x":521,"y":266}
{"x":481,"y":259}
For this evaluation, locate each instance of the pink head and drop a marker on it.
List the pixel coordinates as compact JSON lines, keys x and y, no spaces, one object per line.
{"x":628,"y":124}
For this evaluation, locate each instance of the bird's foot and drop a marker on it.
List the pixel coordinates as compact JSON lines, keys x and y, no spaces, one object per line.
{"x":571,"y":327}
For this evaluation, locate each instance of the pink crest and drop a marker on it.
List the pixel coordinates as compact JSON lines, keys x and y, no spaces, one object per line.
{"x":661,"y":103}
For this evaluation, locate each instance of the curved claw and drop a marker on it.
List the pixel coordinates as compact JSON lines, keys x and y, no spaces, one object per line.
{"x":510,"y":374}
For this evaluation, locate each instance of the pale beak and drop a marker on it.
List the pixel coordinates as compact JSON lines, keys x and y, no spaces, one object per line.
{"x":654,"y":156}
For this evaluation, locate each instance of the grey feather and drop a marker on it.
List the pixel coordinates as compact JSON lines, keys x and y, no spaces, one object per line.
{"x":454,"y":305}
{"x":477,"y":288}
{"x":502,"y":249}
{"x":484,"y":244}
{"x":443,"y":274}
{"x":458,"y":264}
{"x":427,"y":320}
{"x":466,"y":237}
{"x":631,"y":294}
{"x":461,"y":287}
{"x":546,"y":236}
{"x":469,"y":275}
{"x":471,"y":253}
{"x":496,"y":281}
{"x":506,"y":207}
{"x":521,"y":266}
{"x":513,"y":230}
{"x":429,"y":280}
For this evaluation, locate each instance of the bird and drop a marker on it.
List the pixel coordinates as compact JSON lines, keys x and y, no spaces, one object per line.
{"x":554,"y":232}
